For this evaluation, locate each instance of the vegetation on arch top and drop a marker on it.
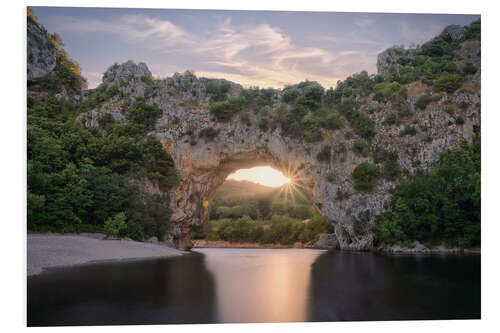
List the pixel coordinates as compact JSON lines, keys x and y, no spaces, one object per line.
{"x":307,"y":111}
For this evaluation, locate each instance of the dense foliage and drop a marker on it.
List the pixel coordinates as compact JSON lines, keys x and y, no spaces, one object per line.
{"x":280,"y":229}
{"x":444,"y":204}
{"x":78,"y":177}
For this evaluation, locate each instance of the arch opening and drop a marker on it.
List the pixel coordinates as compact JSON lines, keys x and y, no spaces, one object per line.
{"x":259,"y":207}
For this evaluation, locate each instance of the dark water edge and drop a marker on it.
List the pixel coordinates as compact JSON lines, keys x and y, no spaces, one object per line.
{"x":395,"y":287}
{"x":220,"y":285}
{"x":177,"y":290}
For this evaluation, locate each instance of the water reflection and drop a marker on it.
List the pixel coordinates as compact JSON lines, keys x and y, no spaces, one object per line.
{"x":258,"y":285}
{"x":261,"y":285}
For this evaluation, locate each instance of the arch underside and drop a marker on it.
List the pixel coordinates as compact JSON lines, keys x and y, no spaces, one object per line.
{"x":199,"y":181}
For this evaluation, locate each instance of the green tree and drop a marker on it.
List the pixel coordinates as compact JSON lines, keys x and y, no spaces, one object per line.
{"x":365,"y":175}
{"x":114,"y":226}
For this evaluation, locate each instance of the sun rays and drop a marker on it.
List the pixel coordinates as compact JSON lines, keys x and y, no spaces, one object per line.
{"x":290,"y":178}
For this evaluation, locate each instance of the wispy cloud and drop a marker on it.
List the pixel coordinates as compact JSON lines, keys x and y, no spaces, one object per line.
{"x":131,"y":28}
{"x":261,"y":54}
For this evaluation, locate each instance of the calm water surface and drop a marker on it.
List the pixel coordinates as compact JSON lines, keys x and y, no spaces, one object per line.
{"x":258,"y":285}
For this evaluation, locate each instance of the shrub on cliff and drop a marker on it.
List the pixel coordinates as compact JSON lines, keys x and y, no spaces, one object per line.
{"x":359,"y":147}
{"x":144,"y":114}
{"x":384,"y":90}
{"x":208,"y":133}
{"x":333,"y":121}
{"x":363,"y":125}
{"x":290,"y":94}
{"x":217,"y":90}
{"x":324,"y":154}
{"x":365,"y":176}
{"x":391,"y":119}
{"x":424,"y":100}
{"x":449,"y":82}
{"x":223,"y":111}
{"x":469,"y":69}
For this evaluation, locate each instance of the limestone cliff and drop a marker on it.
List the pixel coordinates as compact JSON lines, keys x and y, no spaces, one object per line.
{"x":41,"y":54}
{"x":204,"y":161}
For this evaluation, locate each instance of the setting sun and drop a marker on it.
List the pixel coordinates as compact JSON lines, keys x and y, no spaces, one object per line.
{"x":262,"y":175}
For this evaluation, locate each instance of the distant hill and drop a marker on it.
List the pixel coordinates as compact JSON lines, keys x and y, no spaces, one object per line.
{"x":256,"y":200}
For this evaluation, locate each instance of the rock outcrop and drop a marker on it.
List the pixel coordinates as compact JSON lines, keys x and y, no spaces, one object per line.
{"x":327,"y":242}
{"x":41,"y":53}
{"x":204,"y":163}
{"x":454,"y":31}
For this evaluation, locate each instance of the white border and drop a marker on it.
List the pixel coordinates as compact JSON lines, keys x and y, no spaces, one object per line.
{"x":13,"y":136}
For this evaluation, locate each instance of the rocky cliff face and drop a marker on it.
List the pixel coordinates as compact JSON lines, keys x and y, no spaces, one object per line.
{"x":41,"y":54}
{"x":205,"y":162}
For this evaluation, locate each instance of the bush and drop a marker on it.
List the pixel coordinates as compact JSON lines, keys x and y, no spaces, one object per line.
{"x":469,"y":69}
{"x":409,"y":130}
{"x":384,"y":90}
{"x":217,"y":91}
{"x":114,"y":226}
{"x":363,"y":125}
{"x":359,"y":147}
{"x":423,"y":101}
{"x":290,"y":95}
{"x":209,"y":133}
{"x":237,"y":103}
{"x":449,"y":82}
{"x":324,"y":154}
{"x":223,"y":111}
{"x":333,"y":121}
{"x":144,"y":114}
{"x":392,"y":170}
{"x":391,"y":119}
{"x":365,"y":175}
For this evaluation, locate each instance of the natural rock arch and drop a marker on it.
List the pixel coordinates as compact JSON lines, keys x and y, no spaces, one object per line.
{"x":204,"y":162}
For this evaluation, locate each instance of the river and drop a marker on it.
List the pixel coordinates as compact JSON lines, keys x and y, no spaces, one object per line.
{"x":258,"y":285}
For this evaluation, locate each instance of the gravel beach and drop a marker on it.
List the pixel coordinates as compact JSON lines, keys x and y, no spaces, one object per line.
{"x":52,"y":250}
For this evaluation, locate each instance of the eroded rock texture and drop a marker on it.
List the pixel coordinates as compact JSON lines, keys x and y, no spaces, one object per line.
{"x":204,"y":163}
{"x":41,"y":54}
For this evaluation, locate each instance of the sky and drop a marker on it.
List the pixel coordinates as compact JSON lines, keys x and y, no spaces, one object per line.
{"x":263,"y":175}
{"x":253,"y":48}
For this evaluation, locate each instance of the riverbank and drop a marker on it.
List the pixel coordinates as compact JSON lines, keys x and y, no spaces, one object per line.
{"x":419,"y":248}
{"x":197,"y":243}
{"x":55,"y":250}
